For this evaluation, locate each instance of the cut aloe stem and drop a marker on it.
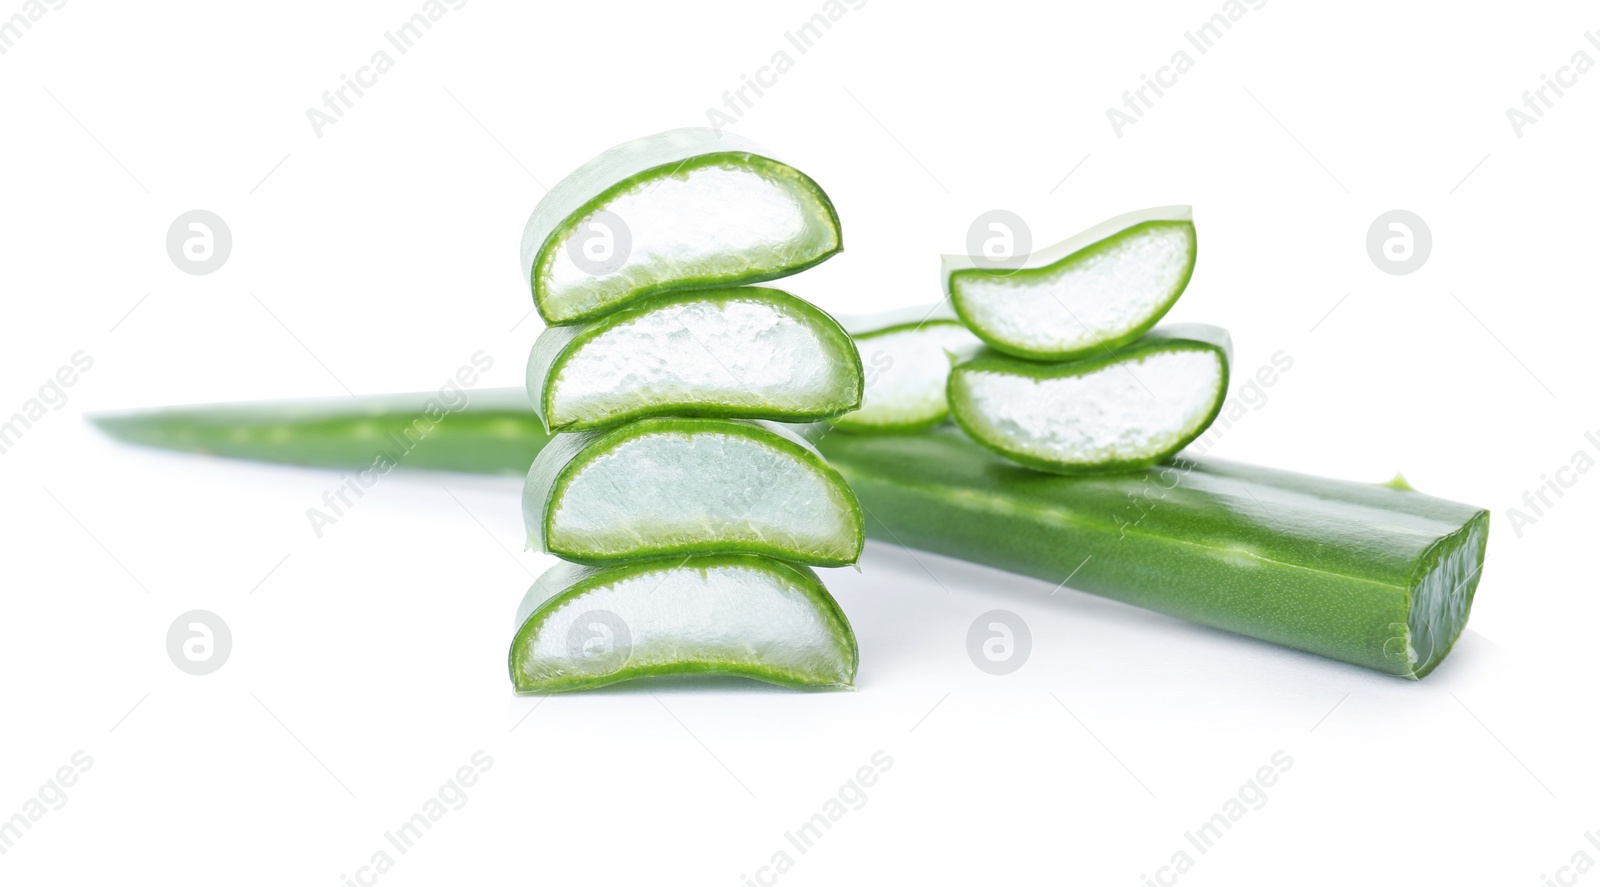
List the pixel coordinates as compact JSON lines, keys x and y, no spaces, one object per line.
{"x":1365,"y":573}
{"x":685,"y":209}
{"x":1127,"y":408}
{"x":745,"y":352}
{"x":1100,"y":289}
{"x":1371,"y":574}
{"x":668,"y":486}
{"x":585,"y":627}
{"x":906,"y":355}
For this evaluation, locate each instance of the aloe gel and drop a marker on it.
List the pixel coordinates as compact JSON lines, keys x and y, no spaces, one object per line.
{"x":685,"y":209}
{"x":584,"y":627}
{"x":743,"y":352}
{"x":671,"y":487}
{"x":1128,"y":408}
{"x":1099,"y":289}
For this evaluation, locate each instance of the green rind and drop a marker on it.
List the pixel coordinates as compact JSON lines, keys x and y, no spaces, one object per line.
{"x":801,"y":577}
{"x":556,"y":345}
{"x":488,"y":432}
{"x":1314,"y":564}
{"x":955,"y":278}
{"x":551,"y":475}
{"x":688,"y":280}
{"x":1318,"y":565}
{"x":1175,"y":337}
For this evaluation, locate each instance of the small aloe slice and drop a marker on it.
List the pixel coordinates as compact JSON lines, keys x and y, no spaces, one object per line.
{"x":1128,"y":408}
{"x":585,"y":627}
{"x":906,"y":356}
{"x":665,"y":487}
{"x":744,"y":352}
{"x":685,"y":209}
{"x":1100,"y":289}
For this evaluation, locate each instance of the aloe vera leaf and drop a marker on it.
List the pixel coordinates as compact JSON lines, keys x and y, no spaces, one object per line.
{"x":1131,"y":407}
{"x":744,"y":352}
{"x":1099,"y":289}
{"x":427,"y":430}
{"x":1371,"y":574}
{"x":906,"y":356}
{"x":685,"y":209}
{"x":1364,"y":573}
{"x":584,"y":627}
{"x":666,"y":487}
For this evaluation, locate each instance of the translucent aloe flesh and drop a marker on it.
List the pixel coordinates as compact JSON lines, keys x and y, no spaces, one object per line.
{"x":1371,"y":574}
{"x":907,"y":357}
{"x":684,"y":209}
{"x":670,"y":486}
{"x":1128,"y":408}
{"x":585,"y":627}
{"x":744,"y":352}
{"x":1099,"y":289}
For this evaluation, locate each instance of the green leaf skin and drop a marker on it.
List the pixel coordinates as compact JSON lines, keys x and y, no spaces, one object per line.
{"x":653,"y":169}
{"x":1054,"y":307}
{"x":723,"y":615}
{"x":482,"y":431}
{"x":1332,"y":567}
{"x":693,"y":486}
{"x":740,"y":353}
{"x":992,"y":426}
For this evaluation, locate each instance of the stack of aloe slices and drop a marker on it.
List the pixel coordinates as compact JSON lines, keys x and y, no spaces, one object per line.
{"x":689,"y":519}
{"x":1076,"y":378}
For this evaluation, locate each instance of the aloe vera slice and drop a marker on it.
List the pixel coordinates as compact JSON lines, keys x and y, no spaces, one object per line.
{"x":585,"y":627}
{"x":685,"y":209}
{"x":1373,"y":574}
{"x":1099,"y":289}
{"x":666,"y":487}
{"x":906,"y":356}
{"x":745,"y":352}
{"x":1128,"y":408}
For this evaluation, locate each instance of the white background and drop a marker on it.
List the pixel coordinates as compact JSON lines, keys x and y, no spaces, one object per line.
{"x":369,"y":665}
